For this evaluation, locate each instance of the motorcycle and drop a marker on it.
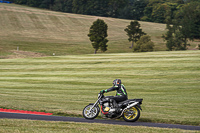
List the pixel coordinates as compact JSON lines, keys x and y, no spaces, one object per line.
{"x":128,"y":109}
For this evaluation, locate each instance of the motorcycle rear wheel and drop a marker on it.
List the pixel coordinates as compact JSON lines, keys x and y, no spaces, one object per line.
{"x":92,"y":114}
{"x":131,"y":114}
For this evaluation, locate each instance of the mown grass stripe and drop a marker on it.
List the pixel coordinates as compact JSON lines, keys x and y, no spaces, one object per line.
{"x":167,"y":81}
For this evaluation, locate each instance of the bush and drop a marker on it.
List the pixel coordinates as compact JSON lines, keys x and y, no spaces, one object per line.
{"x":144,"y":44}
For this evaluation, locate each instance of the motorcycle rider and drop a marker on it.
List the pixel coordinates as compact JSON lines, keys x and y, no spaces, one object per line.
{"x":121,"y":94}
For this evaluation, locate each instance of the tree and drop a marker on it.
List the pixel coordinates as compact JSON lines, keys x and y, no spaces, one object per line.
{"x":188,"y":18}
{"x":149,"y":9}
{"x":34,"y":3}
{"x":159,"y":13}
{"x":174,"y":38}
{"x":97,"y":35}
{"x":133,"y":10}
{"x":144,"y":44}
{"x":185,"y":26}
{"x":138,"y":9}
{"x":58,"y":5}
{"x":147,"y":14}
{"x":79,"y":6}
{"x":97,"y":7}
{"x":63,"y":5}
{"x":115,"y":6}
{"x":20,"y":2}
{"x":134,"y":32}
{"x":48,"y":4}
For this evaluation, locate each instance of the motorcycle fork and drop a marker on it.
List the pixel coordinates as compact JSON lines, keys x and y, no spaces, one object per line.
{"x":95,"y":104}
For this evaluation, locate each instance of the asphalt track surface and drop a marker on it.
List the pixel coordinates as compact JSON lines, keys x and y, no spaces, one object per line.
{"x":74,"y":119}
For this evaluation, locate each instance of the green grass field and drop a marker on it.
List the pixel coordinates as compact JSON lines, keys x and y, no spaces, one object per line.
{"x":28,"y":126}
{"x":47,"y":32}
{"x":167,"y":81}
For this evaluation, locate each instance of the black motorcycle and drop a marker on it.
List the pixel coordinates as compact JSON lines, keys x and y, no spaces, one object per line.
{"x":128,"y":109}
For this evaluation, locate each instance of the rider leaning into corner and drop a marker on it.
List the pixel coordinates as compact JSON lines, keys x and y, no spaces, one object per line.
{"x":121,"y":94}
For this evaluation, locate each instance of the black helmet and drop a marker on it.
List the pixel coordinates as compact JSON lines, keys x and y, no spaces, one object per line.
{"x":117,"y":82}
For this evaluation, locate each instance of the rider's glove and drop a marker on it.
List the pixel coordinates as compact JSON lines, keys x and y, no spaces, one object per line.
{"x":102,"y":91}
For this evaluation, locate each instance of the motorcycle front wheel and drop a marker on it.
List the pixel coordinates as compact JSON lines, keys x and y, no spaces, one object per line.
{"x":89,"y":113}
{"x":131,"y":114}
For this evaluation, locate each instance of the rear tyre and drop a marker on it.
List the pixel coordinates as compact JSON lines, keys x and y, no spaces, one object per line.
{"x":87,"y":114}
{"x":132,"y":114}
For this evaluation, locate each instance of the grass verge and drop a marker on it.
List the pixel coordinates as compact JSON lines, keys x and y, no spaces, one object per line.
{"x":30,"y":126}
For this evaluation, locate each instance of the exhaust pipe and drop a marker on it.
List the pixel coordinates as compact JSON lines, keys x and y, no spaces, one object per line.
{"x":129,"y":106}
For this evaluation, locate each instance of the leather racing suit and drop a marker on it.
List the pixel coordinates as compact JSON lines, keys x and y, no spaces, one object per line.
{"x":121,"y":94}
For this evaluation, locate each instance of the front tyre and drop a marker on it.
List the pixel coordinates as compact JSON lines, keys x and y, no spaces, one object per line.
{"x":87,"y":114}
{"x":132,"y":114}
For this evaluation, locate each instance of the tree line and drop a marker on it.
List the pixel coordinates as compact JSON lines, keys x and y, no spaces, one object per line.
{"x":146,"y":10}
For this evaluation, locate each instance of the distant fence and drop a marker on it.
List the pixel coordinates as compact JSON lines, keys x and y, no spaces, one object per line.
{"x":3,"y":1}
